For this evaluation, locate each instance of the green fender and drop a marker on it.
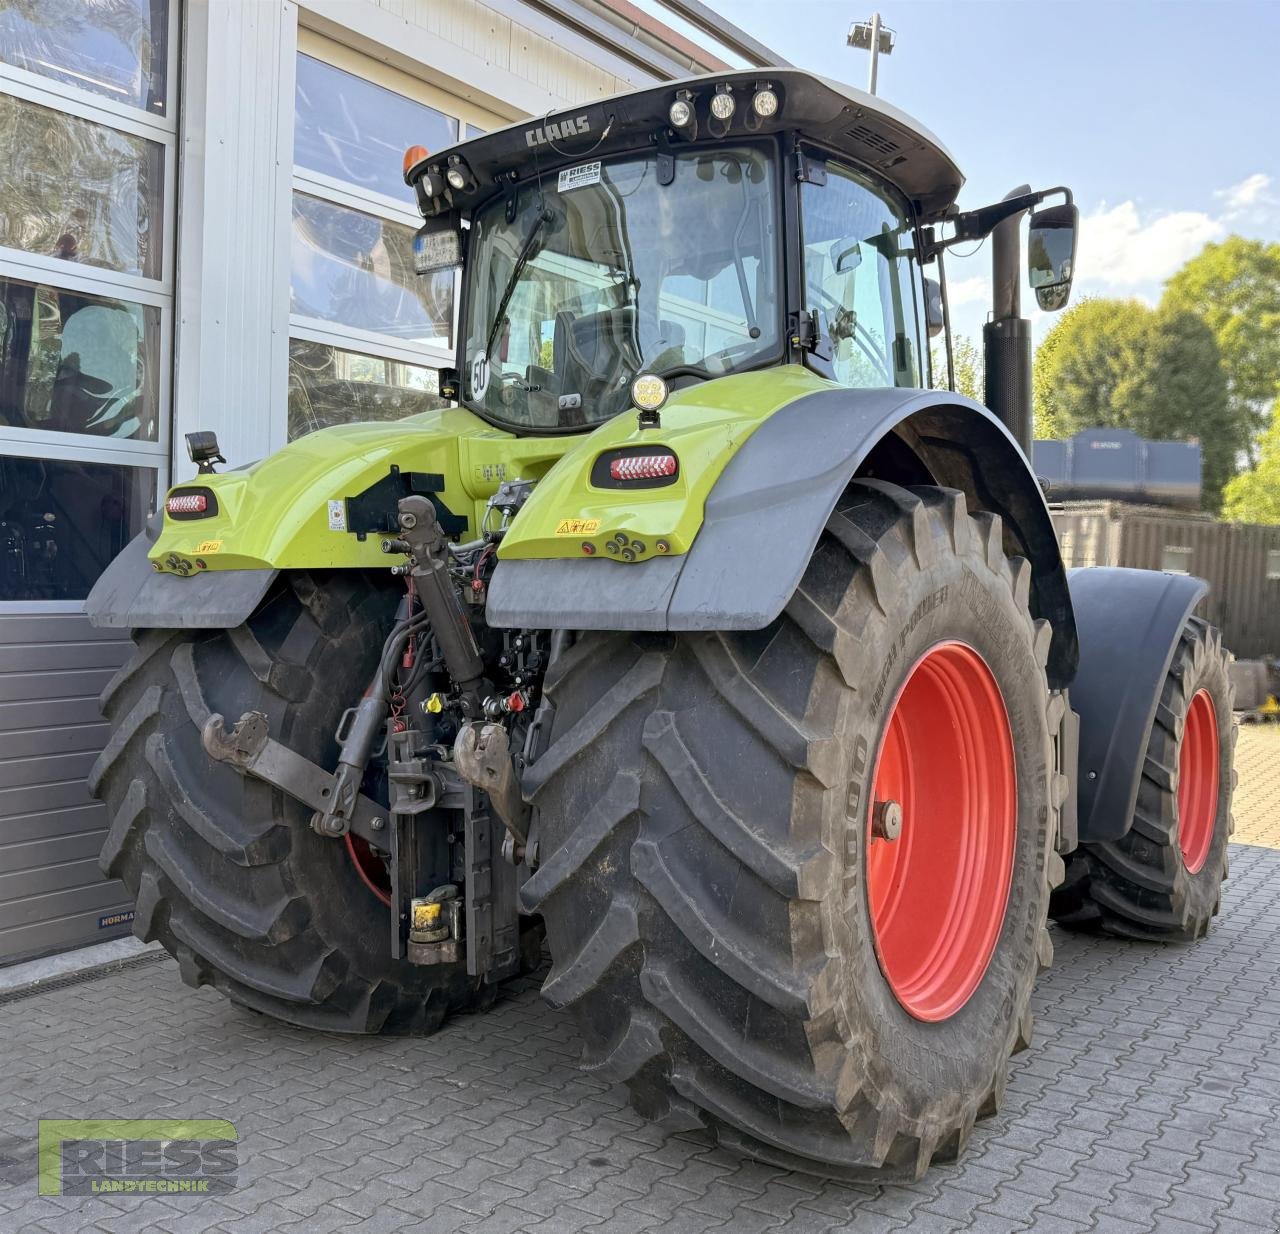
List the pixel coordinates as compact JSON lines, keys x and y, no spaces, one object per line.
{"x":759,"y":520}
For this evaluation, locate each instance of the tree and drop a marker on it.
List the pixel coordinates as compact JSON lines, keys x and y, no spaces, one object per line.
{"x":1081,"y":361}
{"x":1119,"y":364}
{"x":968,"y":365}
{"x":1254,"y":496}
{"x":1235,"y":287}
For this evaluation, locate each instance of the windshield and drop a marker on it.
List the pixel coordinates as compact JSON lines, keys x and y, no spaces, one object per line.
{"x":606,"y":272}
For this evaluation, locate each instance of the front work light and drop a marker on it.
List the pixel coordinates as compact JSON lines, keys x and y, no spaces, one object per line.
{"x":459,"y":175}
{"x":680,"y":114}
{"x":648,"y":392}
{"x":764,"y":102}
{"x":722,"y":102}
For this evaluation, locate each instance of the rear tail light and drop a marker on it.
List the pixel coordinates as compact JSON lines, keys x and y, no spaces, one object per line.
{"x":187,"y":503}
{"x":642,"y":467}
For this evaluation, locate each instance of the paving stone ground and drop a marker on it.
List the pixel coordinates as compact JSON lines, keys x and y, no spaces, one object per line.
{"x":1149,"y":1101}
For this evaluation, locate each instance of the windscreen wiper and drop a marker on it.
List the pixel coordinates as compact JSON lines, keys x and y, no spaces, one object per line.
{"x":545,"y":215}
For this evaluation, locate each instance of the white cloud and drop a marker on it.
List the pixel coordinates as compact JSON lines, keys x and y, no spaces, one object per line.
{"x":1119,"y":249}
{"x":1251,"y":191}
{"x":976,"y":290}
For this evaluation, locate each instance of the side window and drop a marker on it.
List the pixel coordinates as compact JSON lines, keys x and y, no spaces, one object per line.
{"x":861,"y":276}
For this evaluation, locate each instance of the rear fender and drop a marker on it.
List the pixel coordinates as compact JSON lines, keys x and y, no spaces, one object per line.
{"x":1128,"y":623}
{"x":131,"y":594}
{"x":763,"y":517}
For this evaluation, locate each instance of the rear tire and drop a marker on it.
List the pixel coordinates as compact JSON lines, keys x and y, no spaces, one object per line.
{"x":1162,"y":881}
{"x":226,"y":871}
{"x":703,"y":816}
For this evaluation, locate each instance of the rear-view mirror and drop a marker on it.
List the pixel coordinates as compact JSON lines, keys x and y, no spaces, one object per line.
{"x":933,"y":307}
{"x":1051,"y":254}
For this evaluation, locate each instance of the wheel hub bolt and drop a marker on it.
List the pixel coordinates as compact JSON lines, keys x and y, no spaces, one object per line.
{"x":886,"y":820}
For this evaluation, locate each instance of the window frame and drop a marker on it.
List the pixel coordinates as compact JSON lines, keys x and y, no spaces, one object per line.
{"x":828,"y":156}
{"x":64,"y":275}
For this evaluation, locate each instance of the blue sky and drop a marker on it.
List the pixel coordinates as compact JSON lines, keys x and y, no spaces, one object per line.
{"x":1162,"y":117}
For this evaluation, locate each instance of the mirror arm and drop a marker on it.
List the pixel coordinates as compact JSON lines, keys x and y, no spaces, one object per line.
{"x":979,"y":224}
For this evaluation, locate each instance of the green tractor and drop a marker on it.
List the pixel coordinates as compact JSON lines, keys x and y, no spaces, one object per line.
{"x":701,"y":639}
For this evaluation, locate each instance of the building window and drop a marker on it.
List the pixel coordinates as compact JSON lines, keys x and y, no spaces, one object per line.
{"x":367,"y":334}
{"x":1175,"y":559}
{"x":61,"y":523}
{"x":80,"y":191}
{"x":86,"y":285}
{"x":329,"y":386}
{"x":357,"y":132}
{"x":117,"y":50}
{"x":1273,"y":563}
{"x":355,"y":269}
{"x":71,"y":362}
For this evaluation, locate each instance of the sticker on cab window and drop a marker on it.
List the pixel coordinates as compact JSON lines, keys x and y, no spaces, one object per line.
{"x":579,"y":177}
{"x":577,"y":526}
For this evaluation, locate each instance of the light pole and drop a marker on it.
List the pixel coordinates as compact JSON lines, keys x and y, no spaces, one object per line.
{"x":873,"y":37}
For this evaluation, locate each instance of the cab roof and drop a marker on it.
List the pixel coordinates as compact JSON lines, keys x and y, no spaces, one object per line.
{"x":862,"y":127}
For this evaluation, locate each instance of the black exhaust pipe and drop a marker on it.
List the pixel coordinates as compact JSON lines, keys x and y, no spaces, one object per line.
{"x":1006,"y":338}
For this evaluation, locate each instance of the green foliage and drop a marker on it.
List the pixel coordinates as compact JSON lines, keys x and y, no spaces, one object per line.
{"x":1235,"y":288}
{"x":1254,"y":496}
{"x":968,"y":362}
{"x":1119,"y":364}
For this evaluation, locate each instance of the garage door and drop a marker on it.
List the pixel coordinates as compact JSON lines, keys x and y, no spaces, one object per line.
{"x":52,"y":668}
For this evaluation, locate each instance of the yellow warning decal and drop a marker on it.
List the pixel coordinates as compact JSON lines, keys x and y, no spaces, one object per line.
{"x":577,"y":526}
{"x":206,"y":547}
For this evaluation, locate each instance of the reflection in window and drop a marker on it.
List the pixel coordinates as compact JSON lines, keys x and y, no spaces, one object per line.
{"x":80,"y":191}
{"x":860,"y":274}
{"x":473,"y":130}
{"x":62,"y":522}
{"x":350,"y":129}
{"x":1176,"y":559}
{"x":357,"y":270}
{"x":329,"y":386}
{"x":115,"y":48}
{"x":71,"y":362}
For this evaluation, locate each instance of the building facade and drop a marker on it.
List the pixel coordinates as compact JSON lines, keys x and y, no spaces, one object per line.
{"x":204,"y":226}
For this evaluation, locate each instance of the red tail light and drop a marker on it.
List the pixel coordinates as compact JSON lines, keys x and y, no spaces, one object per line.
{"x":642,"y":466}
{"x":187,"y":503}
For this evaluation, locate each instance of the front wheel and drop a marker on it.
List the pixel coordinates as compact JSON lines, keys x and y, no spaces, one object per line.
{"x":795,"y":880}
{"x":1162,"y":880}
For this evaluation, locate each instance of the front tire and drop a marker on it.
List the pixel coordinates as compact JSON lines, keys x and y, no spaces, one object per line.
{"x":225,"y":870}
{"x":704,"y":824}
{"x":1162,"y":880}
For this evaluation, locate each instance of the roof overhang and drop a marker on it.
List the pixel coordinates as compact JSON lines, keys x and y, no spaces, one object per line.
{"x":860,"y":126}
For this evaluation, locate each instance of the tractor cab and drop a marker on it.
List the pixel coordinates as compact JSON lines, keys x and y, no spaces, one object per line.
{"x":713,"y":226}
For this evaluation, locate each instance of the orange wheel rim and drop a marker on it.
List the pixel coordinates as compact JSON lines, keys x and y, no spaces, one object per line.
{"x":1198,"y":781}
{"x":938,"y":892}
